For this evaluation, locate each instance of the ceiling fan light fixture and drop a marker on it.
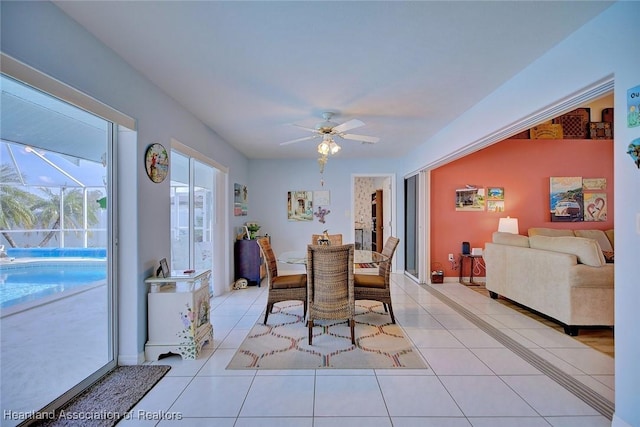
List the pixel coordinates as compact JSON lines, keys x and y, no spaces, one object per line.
{"x":333,"y":147}
{"x":323,"y":148}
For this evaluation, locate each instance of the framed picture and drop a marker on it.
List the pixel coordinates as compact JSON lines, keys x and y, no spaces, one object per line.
{"x":495,"y":199}
{"x":595,"y":206}
{"x":470,"y":199}
{"x":566,"y":199}
{"x":300,"y":205}
{"x":164,"y":268}
{"x":594,"y":184}
{"x":240,"y":200}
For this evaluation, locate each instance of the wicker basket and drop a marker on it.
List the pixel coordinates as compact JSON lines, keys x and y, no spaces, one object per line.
{"x":437,"y":274}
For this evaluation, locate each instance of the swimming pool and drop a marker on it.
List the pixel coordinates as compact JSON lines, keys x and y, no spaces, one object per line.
{"x":30,"y":281}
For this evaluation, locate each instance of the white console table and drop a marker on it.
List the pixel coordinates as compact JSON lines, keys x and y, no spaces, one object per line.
{"x":178,"y":315}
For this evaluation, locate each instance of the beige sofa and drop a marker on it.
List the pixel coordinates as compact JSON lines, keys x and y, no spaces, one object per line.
{"x":560,"y":273}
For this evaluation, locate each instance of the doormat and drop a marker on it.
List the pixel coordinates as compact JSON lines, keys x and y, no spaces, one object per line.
{"x":283,"y":343}
{"x":110,"y":399}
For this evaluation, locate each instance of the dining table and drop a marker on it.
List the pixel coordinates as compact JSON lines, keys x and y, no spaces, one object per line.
{"x":360,"y":256}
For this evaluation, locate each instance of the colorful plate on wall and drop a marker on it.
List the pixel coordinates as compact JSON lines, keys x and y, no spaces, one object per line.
{"x":157,"y":162}
{"x":634,"y":151}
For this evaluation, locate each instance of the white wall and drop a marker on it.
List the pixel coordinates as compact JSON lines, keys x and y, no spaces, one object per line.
{"x":604,"y":48}
{"x":42,"y":36}
{"x":270,"y":180}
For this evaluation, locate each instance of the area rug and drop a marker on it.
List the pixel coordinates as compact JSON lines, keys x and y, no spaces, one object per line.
{"x":284,"y":342}
{"x":110,"y":399}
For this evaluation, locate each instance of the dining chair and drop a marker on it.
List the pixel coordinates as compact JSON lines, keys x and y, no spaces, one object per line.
{"x":291,"y":287}
{"x":375,"y":287}
{"x":330,"y":293}
{"x":334,"y":239}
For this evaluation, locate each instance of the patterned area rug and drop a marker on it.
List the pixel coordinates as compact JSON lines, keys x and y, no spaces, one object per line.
{"x":284,"y":343}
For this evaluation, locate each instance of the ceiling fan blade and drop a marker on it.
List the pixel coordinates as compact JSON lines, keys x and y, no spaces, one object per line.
{"x":299,"y":139}
{"x":304,"y":127}
{"x":351,"y":124}
{"x":361,"y":138}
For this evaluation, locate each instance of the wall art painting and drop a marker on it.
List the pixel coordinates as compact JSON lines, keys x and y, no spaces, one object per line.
{"x":594,"y":184}
{"x":240,"y":200}
{"x":566,"y":199}
{"x":595,"y":206}
{"x":470,"y":199}
{"x":300,"y":205}
{"x":495,"y":199}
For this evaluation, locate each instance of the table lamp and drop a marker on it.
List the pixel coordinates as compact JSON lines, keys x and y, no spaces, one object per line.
{"x":508,"y":225}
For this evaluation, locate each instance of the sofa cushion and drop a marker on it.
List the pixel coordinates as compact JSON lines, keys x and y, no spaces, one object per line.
{"x":552,"y":232}
{"x":587,"y":250}
{"x":597,"y":235}
{"x":510,"y":239}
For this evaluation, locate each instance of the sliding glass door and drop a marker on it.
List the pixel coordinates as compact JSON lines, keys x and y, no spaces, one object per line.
{"x":193,"y":213}
{"x":416,"y":192}
{"x":56,"y":278}
{"x":411,"y":212}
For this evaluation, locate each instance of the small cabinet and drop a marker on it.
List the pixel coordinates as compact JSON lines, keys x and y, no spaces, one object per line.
{"x":178,"y":315}
{"x":248,"y":262}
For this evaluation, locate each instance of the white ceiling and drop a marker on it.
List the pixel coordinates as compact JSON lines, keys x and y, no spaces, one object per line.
{"x":406,"y":69}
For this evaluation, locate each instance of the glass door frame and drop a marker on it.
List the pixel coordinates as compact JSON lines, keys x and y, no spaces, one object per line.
{"x":39,"y":81}
{"x":421,"y":231}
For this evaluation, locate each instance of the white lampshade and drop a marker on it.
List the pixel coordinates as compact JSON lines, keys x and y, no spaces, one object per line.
{"x":508,"y":225}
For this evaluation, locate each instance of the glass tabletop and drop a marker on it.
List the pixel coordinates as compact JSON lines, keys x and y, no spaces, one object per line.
{"x":360,"y":256}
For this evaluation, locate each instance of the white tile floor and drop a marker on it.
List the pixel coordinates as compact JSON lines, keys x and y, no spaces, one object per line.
{"x":473,"y":380}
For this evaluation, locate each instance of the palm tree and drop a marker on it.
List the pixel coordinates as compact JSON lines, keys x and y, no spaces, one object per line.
{"x":15,"y":203}
{"x":49,"y":215}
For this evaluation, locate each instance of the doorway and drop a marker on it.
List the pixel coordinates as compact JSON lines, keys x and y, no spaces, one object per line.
{"x":364,"y":190}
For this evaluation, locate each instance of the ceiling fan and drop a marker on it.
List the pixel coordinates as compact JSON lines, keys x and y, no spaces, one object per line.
{"x":327,"y":129}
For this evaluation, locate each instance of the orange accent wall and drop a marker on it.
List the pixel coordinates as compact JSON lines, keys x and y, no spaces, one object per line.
{"x":523,"y":168}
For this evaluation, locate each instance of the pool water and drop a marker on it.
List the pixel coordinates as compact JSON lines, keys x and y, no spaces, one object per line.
{"x":26,"y":282}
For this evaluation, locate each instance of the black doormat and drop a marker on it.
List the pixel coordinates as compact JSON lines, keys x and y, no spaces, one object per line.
{"x":109,"y":400}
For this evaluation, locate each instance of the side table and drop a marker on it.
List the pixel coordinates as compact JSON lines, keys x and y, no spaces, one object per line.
{"x":472,"y":259}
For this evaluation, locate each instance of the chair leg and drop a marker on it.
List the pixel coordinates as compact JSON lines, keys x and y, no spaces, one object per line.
{"x":266,"y":313}
{"x":310,"y":323}
{"x":352,"y":323}
{"x":393,"y":318}
{"x":384,"y":304}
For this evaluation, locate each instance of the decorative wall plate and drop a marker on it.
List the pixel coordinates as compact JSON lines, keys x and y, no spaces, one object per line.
{"x":156,"y":162}
{"x":634,"y":151}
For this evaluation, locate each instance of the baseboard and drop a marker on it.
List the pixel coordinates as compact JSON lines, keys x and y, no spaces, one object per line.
{"x":127,"y":360}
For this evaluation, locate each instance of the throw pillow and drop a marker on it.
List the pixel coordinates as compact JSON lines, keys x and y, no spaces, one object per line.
{"x":586,"y":250}
{"x":551,"y":232}
{"x":597,"y":235}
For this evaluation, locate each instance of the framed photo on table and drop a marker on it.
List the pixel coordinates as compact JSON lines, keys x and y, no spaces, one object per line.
{"x":163,"y":270}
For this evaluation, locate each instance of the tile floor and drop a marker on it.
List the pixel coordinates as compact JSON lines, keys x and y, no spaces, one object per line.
{"x":473,"y":380}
